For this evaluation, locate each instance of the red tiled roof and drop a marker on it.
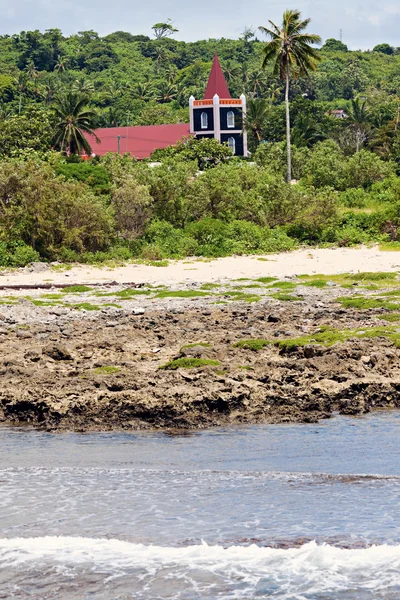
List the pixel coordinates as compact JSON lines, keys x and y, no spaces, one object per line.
{"x":139,"y":141}
{"x":216,"y":83}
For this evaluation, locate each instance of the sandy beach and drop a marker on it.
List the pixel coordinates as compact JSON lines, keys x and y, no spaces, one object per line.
{"x":305,"y":261}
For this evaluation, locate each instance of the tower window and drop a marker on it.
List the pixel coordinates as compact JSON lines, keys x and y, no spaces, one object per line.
{"x":230,"y":117}
{"x":232,"y":144}
{"x":204,"y":120}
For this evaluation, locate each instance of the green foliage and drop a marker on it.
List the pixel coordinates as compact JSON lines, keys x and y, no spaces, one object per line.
{"x":254,"y":345}
{"x":48,"y":213}
{"x":17,"y":254}
{"x":95,"y":176}
{"x":27,"y":132}
{"x":208,"y":152}
{"x":189,"y":363}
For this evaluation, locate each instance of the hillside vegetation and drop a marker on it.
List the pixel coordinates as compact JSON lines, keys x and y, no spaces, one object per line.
{"x":199,"y":200}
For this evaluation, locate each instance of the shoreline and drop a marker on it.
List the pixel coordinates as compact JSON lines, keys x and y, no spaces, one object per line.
{"x":309,"y":261}
{"x":192,"y":356}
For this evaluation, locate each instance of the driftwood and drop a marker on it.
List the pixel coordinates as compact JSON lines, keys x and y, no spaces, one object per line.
{"x":65,"y":286}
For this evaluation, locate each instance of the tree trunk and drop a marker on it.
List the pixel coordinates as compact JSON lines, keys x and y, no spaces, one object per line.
{"x":20,"y":103}
{"x":289,"y":149}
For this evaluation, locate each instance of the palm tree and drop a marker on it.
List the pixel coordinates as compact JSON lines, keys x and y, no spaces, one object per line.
{"x":143,"y":91}
{"x":166,"y":92}
{"x":306,"y":132}
{"x":359,"y":120}
{"x":62,"y":64}
{"x":292,"y":55}
{"x":256,"y":113}
{"x":74,"y":119}
{"x":22,"y":83}
{"x":83,"y":86}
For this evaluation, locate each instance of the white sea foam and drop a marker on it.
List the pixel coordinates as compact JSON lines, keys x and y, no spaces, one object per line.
{"x":292,"y":573}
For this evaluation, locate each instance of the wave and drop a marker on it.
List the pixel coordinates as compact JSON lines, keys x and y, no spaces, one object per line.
{"x":319,"y":568}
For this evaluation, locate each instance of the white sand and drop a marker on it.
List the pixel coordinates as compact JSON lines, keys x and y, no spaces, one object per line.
{"x":326,"y":261}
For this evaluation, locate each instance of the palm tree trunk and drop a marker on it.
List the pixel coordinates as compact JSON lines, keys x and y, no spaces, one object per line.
{"x":289,"y":149}
{"x":20,"y":103}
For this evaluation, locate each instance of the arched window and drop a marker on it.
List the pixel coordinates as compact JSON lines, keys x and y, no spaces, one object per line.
{"x":232,"y":144}
{"x":204,"y":120}
{"x":230,"y":117}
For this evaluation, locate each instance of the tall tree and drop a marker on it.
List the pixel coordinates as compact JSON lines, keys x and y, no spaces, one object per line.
{"x":162,"y":30}
{"x":290,"y":51}
{"x":73,"y":120}
{"x":359,"y":119}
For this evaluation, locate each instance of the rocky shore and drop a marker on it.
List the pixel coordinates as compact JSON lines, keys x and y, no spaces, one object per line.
{"x":195,"y":357}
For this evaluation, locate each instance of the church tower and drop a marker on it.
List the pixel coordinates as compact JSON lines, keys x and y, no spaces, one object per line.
{"x":219,"y":115}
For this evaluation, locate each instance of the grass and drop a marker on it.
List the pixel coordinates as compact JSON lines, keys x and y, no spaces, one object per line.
{"x":189,"y":363}
{"x":391,"y":318}
{"x":84,"y":306}
{"x":255,"y":345}
{"x":263,"y":259}
{"x":246,"y":367}
{"x":265,"y":279}
{"x":44,"y":302}
{"x":210,"y":286}
{"x":389,"y":247}
{"x":124,"y":294}
{"x":195,"y":345}
{"x":282,"y":297}
{"x":106,"y":370}
{"x":328,"y":337}
{"x":364,"y":303}
{"x":318,"y":283}
{"x":284,"y":285}
{"x":181,"y":294}
{"x":52,"y":296}
{"x":242,"y":297}
{"x":348,"y":280}
{"x":77,"y":289}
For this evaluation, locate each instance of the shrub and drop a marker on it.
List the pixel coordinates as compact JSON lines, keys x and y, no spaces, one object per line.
{"x":17,"y":255}
{"x":132,"y":206}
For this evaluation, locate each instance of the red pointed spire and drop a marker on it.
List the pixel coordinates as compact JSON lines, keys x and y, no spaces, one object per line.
{"x":216,"y":83}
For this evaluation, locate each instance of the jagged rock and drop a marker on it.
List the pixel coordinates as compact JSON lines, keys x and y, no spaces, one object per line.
{"x":57,"y":352}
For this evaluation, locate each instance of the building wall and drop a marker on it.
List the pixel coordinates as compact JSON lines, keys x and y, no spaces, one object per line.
{"x":238,"y":117}
{"x":238,"y":139}
{"x":197,"y":119}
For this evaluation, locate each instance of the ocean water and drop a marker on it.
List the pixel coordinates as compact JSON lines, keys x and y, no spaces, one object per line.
{"x":292,"y":512}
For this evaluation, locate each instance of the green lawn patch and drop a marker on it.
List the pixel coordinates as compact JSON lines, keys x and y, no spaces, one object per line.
{"x":390,"y":318}
{"x":284,"y":285}
{"x":210,"y":286}
{"x":189,"y":363}
{"x":106,"y":370}
{"x":266,"y":279}
{"x":124,"y":294}
{"x":365,"y":303}
{"x":84,"y":306}
{"x":370,"y":276}
{"x":286,"y":297}
{"x":317,"y":283}
{"x":242,"y":297}
{"x":255,"y":345}
{"x":195,"y":344}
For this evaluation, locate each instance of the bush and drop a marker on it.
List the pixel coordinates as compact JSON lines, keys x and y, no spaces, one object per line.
{"x":214,"y":238}
{"x":17,"y":255}
{"x":132,"y":206}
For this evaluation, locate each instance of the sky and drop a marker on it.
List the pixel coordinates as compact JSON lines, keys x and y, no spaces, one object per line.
{"x":364,"y":23}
